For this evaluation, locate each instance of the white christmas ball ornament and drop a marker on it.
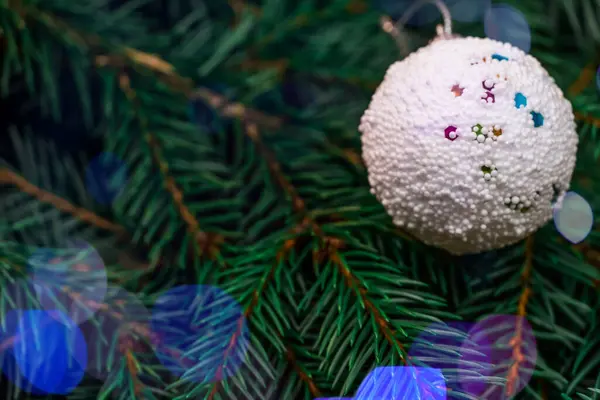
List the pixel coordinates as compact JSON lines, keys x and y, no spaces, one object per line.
{"x":469,"y":144}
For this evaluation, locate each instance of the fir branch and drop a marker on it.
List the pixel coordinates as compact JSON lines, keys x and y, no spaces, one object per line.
{"x":357,"y":288}
{"x":204,"y":242}
{"x":298,"y":204}
{"x":588,"y":119}
{"x":249,"y":310}
{"x":584,"y":79}
{"x":330,"y":244}
{"x":166,"y":73}
{"x":304,"y":377}
{"x":133,"y":368}
{"x":11,"y":178}
{"x":517,"y":341}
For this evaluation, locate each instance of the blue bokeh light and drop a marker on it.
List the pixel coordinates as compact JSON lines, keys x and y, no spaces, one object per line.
{"x":106,"y":177}
{"x":401,"y":383}
{"x":468,"y":10}
{"x":48,"y":355}
{"x":201,"y":333}
{"x":461,"y":10}
{"x":574,"y":219}
{"x":507,"y":24}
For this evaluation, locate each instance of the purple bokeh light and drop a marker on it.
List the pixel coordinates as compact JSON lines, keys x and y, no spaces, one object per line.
{"x":509,"y":343}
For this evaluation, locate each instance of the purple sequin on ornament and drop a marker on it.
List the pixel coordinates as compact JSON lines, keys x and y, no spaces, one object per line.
{"x":489,"y":96}
{"x":450,"y":133}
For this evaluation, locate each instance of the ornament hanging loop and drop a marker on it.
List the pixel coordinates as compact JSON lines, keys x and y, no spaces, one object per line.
{"x":395,"y":29}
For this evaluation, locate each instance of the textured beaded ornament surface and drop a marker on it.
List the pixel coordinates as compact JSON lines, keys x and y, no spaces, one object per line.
{"x":469,"y":144}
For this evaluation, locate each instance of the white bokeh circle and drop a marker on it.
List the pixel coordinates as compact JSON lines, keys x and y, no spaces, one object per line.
{"x":71,"y":279}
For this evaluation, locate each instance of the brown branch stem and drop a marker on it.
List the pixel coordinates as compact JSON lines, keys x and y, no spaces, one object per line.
{"x":314,"y":390}
{"x":583,"y":80}
{"x":11,"y":178}
{"x":353,"y":283}
{"x":204,"y":242}
{"x":248,"y":312}
{"x":333,"y":244}
{"x":517,"y":340}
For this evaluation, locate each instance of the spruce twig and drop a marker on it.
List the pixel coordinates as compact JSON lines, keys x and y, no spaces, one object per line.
{"x":204,"y":242}
{"x":330,"y":244}
{"x":517,"y":341}
{"x":247,"y":314}
{"x":11,"y":178}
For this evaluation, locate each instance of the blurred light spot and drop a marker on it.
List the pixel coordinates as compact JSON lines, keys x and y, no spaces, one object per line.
{"x":574,"y":219}
{"x":49,"y":350}
{"x":468,"y":10}
{"x":397,"y":8}
{"x":499,"y":57}
{"x":201,"y":333}
{"x":461,"y":10}
{"x":493,"y":337}
{"x":72,"y":279}
{"x":538,"y":119}
{"x":520,"y":100}
{"x":507,"y":24}
{"x":598,"y":78}
{"x":106,"y":177}
{"x":124,"y":324}
{"x":400,"y":383}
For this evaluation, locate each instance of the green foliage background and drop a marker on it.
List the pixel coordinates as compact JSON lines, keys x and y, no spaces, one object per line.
{"x":273,"y":206}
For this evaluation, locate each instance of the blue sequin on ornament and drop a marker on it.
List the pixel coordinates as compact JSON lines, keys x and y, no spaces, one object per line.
{"x":538,"y":119}
{"x":520,"y":100}
{"x":499,"y":57}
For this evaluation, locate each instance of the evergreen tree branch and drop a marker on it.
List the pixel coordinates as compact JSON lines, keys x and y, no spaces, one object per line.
{"x":133,"y":369}
{"x":298,"y":205}
{"x":586,"y":76}
{"x":358,"y":288}
{"x":304,"y":377}
{"x":517,"y":341}
{"x":588,"y":119}
{"x":205,"y":243}
{"x":11,"y":178}
{"x":329,"y":244}
{"x":248,"y":313}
